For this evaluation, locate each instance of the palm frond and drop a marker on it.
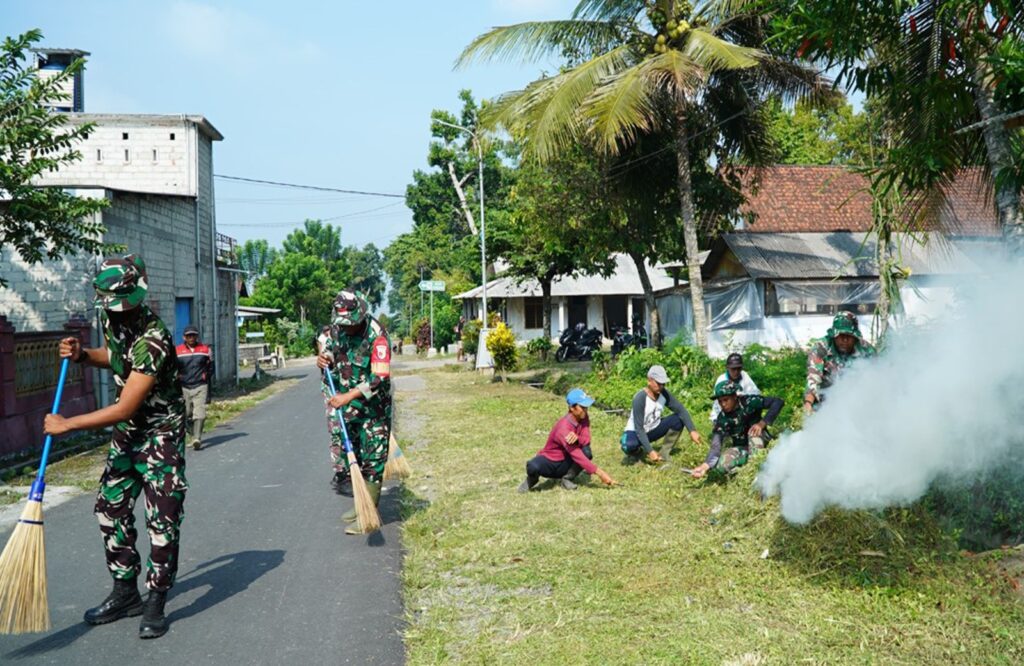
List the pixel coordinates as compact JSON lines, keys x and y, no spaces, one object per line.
{"x":674,"y":72}
{"x":624,"y":106}
{"x":608,"y":10}
{"x":549,"y":111}
{"x":713,"y":54}
{"x":535,"y":40}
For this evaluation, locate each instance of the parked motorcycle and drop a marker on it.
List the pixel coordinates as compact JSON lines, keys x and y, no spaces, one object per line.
{"x":622,"y":339}
{"x":578,"y":343}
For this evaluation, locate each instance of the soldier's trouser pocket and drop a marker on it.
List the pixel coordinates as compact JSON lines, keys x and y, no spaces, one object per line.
{"x":154,"y":467}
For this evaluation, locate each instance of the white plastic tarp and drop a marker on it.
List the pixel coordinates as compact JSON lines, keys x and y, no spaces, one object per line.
{"x":791,"y":294}
{"x":733,"y":304}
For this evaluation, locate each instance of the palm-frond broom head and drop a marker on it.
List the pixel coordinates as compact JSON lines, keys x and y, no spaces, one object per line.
{"x":23,"y":604}
{"x":398,"y":466}
{"x":366,"y":511}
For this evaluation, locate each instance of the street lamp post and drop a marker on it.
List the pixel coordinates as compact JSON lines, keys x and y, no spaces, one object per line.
{"x":483,"y":252}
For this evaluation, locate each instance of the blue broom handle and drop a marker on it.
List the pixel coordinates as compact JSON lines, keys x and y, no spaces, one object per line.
{"x":337,"y":411}
{"x":36,"y":492}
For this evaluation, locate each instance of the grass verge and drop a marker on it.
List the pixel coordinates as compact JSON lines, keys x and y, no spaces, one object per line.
{"x":664,"y":570}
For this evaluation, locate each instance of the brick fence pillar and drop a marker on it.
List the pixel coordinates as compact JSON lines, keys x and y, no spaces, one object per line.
{"x":6,"y":366}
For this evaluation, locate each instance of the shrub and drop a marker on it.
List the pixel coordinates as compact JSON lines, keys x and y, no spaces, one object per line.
{"x":501,"y":343}
{"x":539,"y":347}
{"x":422,"y":328}
{"x":471,"y":336}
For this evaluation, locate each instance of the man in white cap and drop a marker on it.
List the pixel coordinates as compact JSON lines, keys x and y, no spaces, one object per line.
{"x":646,"y":425}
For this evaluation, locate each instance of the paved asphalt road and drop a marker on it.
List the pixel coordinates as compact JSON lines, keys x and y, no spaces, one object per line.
{"x":267,"y":574}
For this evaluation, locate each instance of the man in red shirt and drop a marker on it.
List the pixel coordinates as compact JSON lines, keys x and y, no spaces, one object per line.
{"x":567,"y":451}
{"x":195,"y":370}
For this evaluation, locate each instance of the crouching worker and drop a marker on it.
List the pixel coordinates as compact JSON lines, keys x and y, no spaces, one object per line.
{"x":740,"y":420}
{"x":645,"y":424}
{"x":567,"y":451}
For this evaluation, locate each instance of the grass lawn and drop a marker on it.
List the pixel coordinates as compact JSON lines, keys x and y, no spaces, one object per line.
{"x":664,"y":569}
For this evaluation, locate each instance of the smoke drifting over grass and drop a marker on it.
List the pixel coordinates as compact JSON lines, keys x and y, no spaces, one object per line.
{"x":945,"y":402}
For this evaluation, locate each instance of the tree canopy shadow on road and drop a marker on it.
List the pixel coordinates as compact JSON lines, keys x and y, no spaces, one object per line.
{"x":225,"y":576}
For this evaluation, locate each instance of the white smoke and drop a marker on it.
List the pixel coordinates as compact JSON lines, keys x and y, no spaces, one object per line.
{"x":945,"y":401}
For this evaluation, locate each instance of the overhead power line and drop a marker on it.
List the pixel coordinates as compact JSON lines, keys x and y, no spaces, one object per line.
{"x":320,"y":219}
{"x":307,"y":187}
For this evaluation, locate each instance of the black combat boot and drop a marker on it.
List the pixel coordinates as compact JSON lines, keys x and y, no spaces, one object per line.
{"x":342,"y":483}
{"x":123,"y":601}
{"x":154,"y":624}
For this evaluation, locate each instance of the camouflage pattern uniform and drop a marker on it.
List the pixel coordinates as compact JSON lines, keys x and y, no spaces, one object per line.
{"x":735,"y":425}
{"x":147,"y":452}
{"x":360,"y":361}
{"x":824,"y":360}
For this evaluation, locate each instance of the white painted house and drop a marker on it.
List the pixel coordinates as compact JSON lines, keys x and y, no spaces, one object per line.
{"x":599,"y":302}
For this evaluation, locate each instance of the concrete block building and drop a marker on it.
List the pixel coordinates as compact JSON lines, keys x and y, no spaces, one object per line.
{"x":156,"y":172}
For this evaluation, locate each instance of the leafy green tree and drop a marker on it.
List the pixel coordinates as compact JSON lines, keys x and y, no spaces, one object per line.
{"x":640,"y":68}
{"x":367,"y":267}
{"x":442,"y":244}
{"x":555,"y":209}
{"x":255,"y":258}
{"x":296,"y":284}
{"x":40,"y":222}
{"x":819,"y":134}
{"x":935,"y":68}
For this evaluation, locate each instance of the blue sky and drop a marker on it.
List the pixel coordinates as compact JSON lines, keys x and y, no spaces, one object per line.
{"x":337,"y":94}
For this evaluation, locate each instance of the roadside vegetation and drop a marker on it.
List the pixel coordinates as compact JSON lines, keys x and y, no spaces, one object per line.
{"x":666,"y":569}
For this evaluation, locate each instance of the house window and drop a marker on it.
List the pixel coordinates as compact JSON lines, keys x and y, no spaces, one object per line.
{"x":825,"y":297}
{"x":172,"y":136}
{"x":154,"y":155}
{"x":124,"y":136}
{"x":534,"y":311}
{"x":99,"y":154}
{"x":127,"y":155}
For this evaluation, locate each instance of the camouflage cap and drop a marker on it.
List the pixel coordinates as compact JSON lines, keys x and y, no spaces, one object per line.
{"x":726,"y":387}
{"x":350,"y":309}
{"x":845,"y":323}
{"x":121,"y":283}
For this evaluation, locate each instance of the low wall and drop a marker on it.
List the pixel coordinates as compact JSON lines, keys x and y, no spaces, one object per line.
{"x":29,"y":369}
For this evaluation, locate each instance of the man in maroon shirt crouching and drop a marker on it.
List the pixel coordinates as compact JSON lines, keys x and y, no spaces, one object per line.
{"x":567,"y":451}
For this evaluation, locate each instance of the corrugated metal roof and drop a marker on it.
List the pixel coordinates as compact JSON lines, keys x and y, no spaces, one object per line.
{"x":624,"y":281}
{"x":838,"y":254}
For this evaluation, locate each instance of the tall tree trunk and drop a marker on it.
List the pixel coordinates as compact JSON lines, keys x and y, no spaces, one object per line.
{"x":545,"y":301}
{"x":652,"y":304}
{"x":1000,"y":157}
{"x":700,"y":327}
{"x":884,"y":260}
{"x":462,"y":197}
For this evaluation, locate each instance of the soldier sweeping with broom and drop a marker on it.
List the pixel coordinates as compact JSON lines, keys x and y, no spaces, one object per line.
{"x":358,"y":357}
{"x":147,"y":449}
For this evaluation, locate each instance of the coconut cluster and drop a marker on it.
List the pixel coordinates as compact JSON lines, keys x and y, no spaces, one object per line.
{"x":670,"y":29}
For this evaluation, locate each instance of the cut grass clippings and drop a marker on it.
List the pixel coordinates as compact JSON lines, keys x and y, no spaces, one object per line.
{"x":665,"y":569}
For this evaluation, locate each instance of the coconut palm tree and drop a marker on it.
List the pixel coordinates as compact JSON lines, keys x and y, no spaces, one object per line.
{"x":636,"y":68}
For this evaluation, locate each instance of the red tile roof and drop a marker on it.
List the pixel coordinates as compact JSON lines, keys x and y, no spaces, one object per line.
{"x":832,"y":198}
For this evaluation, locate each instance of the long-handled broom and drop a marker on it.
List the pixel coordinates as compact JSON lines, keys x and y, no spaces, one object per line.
{"x":23,"y":605}
{"x":366,"y":511}
{"x":397,"y":466}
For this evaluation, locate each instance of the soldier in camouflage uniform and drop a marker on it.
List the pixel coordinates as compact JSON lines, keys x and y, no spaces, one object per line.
{"x":842,"y":346}
{"x":147,"y":449}
{"x":358,"y":354}
{"x":741,"y":421}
